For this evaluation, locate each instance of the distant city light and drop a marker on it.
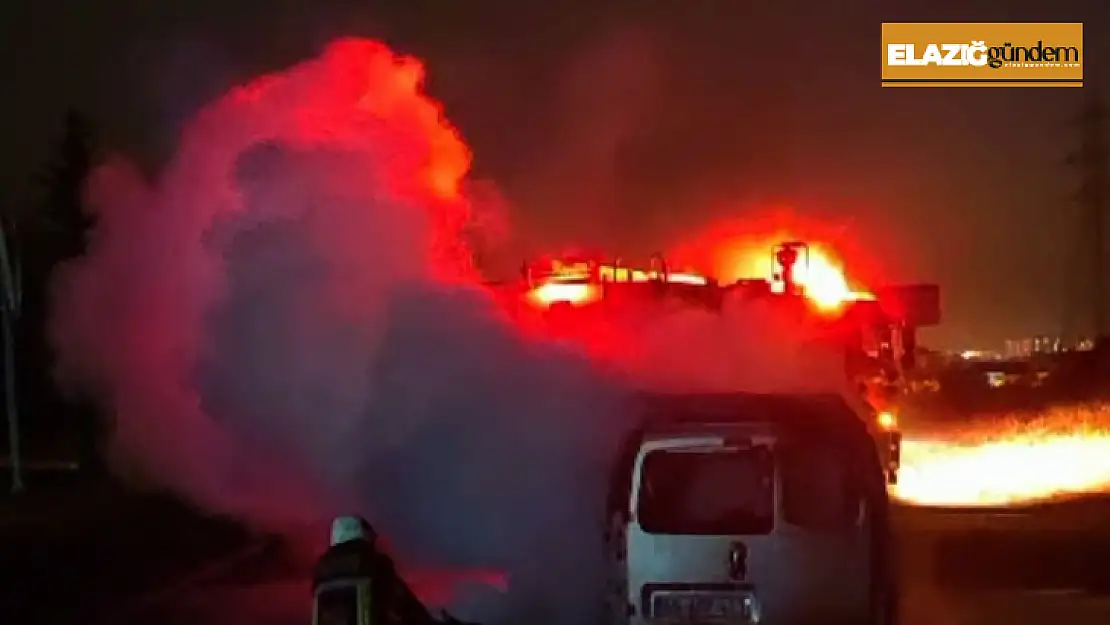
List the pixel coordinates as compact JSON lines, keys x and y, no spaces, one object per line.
{"x":979,"y":354}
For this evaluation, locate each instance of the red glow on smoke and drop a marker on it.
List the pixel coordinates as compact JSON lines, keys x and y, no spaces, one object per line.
{"x":130,"y":317}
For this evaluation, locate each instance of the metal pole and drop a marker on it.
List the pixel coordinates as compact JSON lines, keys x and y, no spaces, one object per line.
{"x":1090,"y":160}
{"x":9,"y":312}
{"x":1095,"y":161}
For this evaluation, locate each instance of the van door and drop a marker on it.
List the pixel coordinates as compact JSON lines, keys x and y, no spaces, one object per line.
{"x":700,"y":542}
{"x":776,"y":530}
{"x":825,"y":531}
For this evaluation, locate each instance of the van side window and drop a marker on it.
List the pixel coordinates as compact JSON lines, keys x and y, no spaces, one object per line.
{"x":819,"y":486}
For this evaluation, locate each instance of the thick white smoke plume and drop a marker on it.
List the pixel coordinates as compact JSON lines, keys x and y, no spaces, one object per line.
{"x":283,"y":326}
{"x":748,"y":346}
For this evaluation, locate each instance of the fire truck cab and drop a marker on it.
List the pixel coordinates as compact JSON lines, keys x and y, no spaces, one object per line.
{"x":876,"y":331}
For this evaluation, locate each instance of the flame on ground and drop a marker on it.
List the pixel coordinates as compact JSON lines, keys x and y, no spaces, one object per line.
{"x":1011,"y":460}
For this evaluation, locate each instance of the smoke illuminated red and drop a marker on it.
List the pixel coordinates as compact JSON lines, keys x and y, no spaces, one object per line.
{"x":286,"y":325}
{"x":129,"y":318}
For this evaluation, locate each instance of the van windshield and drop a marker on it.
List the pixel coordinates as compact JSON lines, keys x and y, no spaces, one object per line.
{"x":707,"y":492}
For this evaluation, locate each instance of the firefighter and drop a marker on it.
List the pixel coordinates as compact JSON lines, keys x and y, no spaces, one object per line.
{"x":354,"y":583}
{"x":343,"y":581}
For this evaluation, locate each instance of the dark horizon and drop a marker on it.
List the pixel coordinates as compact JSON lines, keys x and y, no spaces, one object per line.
{"x":592,"y":118}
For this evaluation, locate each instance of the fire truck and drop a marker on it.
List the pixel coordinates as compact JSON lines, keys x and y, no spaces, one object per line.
{"x":876,"y":332}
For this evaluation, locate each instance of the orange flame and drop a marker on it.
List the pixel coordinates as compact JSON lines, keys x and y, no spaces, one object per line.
{"x":744,"y":249}
{"x":825,"y":281}
{"x":1064,"y":453}
{"x":571,"y":284}
{"x":575,"y":293}
{"x":821,"y":275}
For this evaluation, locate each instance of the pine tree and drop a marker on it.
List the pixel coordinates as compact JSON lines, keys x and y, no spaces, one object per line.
{"x":53,"y":233}
{"x":65,"y":224}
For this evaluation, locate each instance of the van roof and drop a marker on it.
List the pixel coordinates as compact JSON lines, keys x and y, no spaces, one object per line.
{"x":822,"y":416}
{"x":671,"y":411}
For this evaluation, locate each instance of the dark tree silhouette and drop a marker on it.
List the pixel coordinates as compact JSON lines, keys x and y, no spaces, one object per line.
{"x":64,"y":224}
{"x":54,"y":232}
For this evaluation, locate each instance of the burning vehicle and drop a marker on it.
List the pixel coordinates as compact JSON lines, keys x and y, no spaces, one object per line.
{"x":876,"y":332}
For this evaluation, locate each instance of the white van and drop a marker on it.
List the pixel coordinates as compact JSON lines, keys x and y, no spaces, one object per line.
{"x":743,"y":509}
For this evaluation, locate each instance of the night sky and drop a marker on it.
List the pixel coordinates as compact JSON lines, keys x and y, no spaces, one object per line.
{"x":622,"y":123}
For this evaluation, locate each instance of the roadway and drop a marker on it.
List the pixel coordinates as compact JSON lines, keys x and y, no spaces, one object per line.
{"x":1036,"y":566}
{"x":76,"y":552}
{"x":1040,"y":565}
{"x":131,"y":562}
